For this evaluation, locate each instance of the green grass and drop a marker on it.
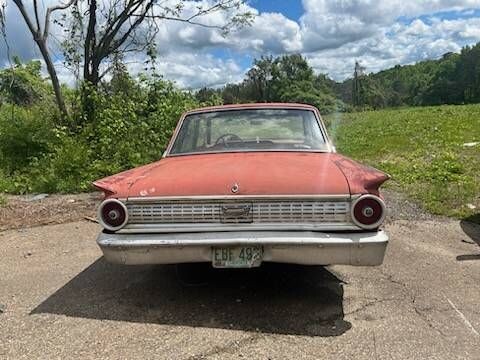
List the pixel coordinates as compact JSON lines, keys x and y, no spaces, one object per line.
{"x":3,"y":200}
{"x":422,"y":149}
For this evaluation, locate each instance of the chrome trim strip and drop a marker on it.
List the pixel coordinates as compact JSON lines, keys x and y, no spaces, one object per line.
{"x":296,"y":238}
{"x":194,"y":228}
{"x":251,"y":151}
{"x":335,"y":197}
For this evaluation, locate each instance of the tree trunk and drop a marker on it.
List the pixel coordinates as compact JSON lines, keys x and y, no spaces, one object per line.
{"x":53,"y":77}
{"x":41,"y":41}
{"x":91,"y":79}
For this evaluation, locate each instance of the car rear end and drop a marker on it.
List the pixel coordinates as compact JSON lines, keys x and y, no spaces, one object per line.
{"x":244,"y":184}
{"x":244,"y":231}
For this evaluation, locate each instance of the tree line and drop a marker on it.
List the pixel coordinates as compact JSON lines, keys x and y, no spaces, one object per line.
{"x":452,"y":79}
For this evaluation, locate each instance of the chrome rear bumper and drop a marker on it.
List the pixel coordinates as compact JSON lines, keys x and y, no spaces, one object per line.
{"x":297,"y":247}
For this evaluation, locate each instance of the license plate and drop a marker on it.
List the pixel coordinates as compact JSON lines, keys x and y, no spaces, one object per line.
{"x":237,"y":256}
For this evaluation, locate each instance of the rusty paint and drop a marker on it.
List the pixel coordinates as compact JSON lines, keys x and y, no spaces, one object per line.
{"x":253,"y":106}
{"x":256,"y":173}
{"x":362,"y":179}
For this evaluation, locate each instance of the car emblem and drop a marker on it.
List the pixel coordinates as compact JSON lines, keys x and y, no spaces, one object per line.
{"x":236,"y":213}
{"x":235,"y":188}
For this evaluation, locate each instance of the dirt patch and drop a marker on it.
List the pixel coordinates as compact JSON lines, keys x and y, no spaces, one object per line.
{"x":27,"y":211}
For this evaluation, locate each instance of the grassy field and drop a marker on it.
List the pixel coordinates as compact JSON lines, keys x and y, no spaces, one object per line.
{"x":425,"y":150}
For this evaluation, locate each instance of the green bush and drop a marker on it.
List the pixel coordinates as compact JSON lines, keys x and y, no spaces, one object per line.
{"x":25,"y":135}
{"x":67,"y":168}
{"x":132,"y":124}
{"x":131,"y":131}
{"x":23,"y":84}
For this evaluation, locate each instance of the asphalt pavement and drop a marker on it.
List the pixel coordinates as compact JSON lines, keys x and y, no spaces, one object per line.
{"x":60,"y":299}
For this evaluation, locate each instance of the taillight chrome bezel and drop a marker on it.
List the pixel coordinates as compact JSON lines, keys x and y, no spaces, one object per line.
{"x":376,"y":224}
{"x":102,"y":222}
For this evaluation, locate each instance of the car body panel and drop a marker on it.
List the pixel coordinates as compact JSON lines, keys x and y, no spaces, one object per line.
{"x":255,"y":173}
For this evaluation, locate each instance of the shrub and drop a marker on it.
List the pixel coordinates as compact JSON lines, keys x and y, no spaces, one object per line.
{"x":130,"y":127}
{"x":25,"y":134}
{"x":22,"y":84}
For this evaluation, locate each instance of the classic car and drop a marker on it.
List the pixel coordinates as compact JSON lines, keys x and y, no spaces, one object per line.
{"x":239,"y":185}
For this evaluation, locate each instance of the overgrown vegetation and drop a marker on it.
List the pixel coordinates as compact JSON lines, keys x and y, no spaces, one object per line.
{"x":432,"y":153}
{"x":132,"y":125}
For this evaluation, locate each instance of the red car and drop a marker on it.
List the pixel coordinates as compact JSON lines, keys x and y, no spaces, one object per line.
{"x":243,"y":184}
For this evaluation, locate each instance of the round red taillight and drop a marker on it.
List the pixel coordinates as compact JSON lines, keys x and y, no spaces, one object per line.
{"x":112,"y":214}
{"x":368,"y":211}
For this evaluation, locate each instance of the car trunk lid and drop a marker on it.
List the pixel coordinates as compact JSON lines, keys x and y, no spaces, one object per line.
{"x":253,"y":173}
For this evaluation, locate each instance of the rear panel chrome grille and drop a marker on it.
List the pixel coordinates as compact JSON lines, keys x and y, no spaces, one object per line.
{"x":171,"y":213}
{"x":256,"y":212}
{"x":300,"y":212}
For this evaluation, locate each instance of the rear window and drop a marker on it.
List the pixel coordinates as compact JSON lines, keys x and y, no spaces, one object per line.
{"x":250,"y":130}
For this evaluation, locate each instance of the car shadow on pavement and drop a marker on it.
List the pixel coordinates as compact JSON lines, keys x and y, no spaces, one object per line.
{"x":275,"y":298}
{"x":471,"y":228}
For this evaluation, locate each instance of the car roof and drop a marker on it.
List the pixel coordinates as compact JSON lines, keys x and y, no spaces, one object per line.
{"x":252,"y":106}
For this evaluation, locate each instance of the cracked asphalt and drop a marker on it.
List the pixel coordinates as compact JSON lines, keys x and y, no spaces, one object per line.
{"x":60,"y":299}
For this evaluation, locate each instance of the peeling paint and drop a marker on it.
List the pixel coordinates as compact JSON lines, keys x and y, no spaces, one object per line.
{"x":361,"y":179}
{"x":259,"y":173}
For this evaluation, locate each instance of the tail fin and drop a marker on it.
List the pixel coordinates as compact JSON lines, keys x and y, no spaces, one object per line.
{"x":361,"y":178}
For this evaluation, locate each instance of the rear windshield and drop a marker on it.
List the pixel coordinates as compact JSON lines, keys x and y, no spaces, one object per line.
{"x":250,"y":130}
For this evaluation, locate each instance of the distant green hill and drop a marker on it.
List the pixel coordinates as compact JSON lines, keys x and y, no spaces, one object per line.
{"x":453,"y":79}
{"x":432,"y":153}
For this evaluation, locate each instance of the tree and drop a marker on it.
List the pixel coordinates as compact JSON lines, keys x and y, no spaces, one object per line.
{"x":259,"y":79}
{"x":98,"y":30}
{"x":105,"y":28}
{"x":233,"y":94}
{"x":22,"y":84}
{"x":40,"y":36}
{"x":357,"y":86}
{"x":208,"y":97}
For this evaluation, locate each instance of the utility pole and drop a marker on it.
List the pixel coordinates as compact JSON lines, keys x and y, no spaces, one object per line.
{"x":356,"y":91}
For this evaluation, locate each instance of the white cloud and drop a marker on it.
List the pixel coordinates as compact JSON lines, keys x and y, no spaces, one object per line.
{"x":331,"y":24}
{"x":269,"y":33}
{"x":198,"y":70}
{"x":400,"y":44}
{"x":331,"y":34}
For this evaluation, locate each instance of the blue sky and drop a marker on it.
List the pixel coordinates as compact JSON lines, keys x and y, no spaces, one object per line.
{"x":291,"y":9}
{"x":331,"y":34}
